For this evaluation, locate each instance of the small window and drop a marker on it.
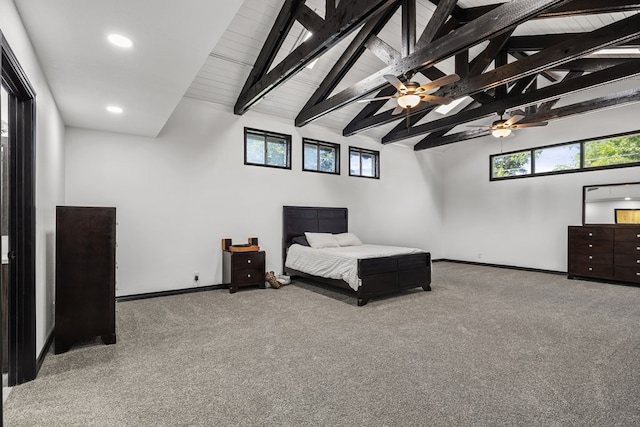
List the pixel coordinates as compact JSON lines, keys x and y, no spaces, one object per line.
{"x":364,"y":163}
{"x":614,"y":151}
{"x":559,"y":158}
{"x":263,"y":148}
{"x":511,"y":164}
{"x":319,"y":156}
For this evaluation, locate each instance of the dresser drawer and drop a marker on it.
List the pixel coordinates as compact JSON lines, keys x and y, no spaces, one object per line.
{"x":631,"y":234}
{"x":627,"y":274}
{"x":592,"y":258}
{"x":248,"y":260}
{"x":590,"y":247}
{"x":628,"y":248}
{"x":603,"y":271}
{"x":249,"y":275}
{"x":590,"y":233}
{"x":626,"y":260}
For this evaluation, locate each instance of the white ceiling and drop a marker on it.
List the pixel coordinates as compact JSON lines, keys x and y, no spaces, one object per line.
{"x":202,"y":49}
{"x":172,"y":40}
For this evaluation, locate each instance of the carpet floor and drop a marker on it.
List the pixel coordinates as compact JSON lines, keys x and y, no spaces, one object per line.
{"x":487,"y":347}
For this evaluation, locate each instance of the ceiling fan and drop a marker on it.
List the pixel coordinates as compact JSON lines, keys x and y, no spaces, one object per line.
{"x":502,"y":128}
{"x":410,"y":94}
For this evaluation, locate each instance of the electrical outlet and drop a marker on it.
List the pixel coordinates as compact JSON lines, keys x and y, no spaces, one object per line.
{"x":479,"y":255}
{"x":196,"y":276}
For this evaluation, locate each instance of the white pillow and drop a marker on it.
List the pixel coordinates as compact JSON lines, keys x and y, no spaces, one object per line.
{"x":321,"y":240}
{"x":347,"y":239}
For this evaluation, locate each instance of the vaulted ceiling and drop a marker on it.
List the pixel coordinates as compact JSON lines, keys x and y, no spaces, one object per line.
{"x":311,"y":61}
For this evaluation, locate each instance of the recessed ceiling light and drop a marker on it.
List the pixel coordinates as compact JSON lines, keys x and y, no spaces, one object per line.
{"x":120,"y":40}
{"x":114,"y":109}
{"x":627,"y":198}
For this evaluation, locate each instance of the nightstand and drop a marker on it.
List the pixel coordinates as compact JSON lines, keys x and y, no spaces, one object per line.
{"x":243,"y":269}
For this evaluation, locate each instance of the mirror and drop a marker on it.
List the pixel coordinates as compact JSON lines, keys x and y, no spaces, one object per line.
{"x":611,"y":203}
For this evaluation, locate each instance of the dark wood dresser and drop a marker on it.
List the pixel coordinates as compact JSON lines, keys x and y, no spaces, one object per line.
{"x":607,"y":252}
{"x":85,"y":275}
{"x":243,"y":269}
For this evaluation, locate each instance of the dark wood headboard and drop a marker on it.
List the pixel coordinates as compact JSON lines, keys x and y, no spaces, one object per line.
{"x":298,"y":219}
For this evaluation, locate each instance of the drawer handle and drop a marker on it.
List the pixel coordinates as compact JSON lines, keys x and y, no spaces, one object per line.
{"x":590,"y":257}
{"x":590,"y":268}
{"x":248,"y":261}
{"x":638,"y":261}
{"x":590,"y":245}
{"x":248,"y":275}
{"x":590,"y":234}
{"x":638,"y":274}
{"x":638,"y":236}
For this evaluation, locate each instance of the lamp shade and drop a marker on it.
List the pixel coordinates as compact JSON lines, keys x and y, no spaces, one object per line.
{"x":501,"y":132}
{"x":408,"y":101}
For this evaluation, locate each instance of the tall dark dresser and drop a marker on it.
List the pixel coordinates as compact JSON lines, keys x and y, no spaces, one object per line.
{"x":85,"y":275}
{"x":607,"y":252}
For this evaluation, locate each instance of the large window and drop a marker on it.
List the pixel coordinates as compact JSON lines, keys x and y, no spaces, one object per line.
{"x":613,"y":151}
{"x":365,"y":163}
{"x":263,"y":148}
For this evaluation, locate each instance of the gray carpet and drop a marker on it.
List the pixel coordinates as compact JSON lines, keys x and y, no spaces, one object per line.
{"x":487,"y":347}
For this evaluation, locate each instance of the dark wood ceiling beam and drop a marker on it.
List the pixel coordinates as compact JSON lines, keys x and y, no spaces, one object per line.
{"x":545,"y":106}
{"x":547,"y":93}
{"x":308,"y":18}
{"x":382,"y":50}
{"x":546,"y":74}
{"x":347,"y":18}
{"x":605,"y":102}
{"x":543,"y":41}
{"x":436,"y":141}
{"x":351,"y":55}
{"x":476,"y":67}
{"x":499,"y":20}
{"x":278,"y":33}
{"x":436,"y":23}
{"x":521,"y":85}
{"x":329,"y":8}
{"x":568,"y":50}
{"x":408,"y":27}
{"x":573,"y":8}
{"x":589,"y":65}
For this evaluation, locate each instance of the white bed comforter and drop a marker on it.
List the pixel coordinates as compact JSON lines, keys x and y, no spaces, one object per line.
{"x":339,"y":263}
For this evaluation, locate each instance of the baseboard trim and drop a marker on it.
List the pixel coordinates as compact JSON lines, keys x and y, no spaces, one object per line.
{"x":169,"y":293}
{"x":44,"y":351}
{"x":510,"y":267}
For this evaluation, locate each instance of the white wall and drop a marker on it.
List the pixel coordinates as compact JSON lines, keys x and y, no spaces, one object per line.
{"x":178,"y":195}
{"x":523,"y":222}
{"x":50,"y":135}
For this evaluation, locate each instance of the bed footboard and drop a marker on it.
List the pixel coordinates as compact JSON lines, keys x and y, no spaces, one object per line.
{"x":390,"y":274}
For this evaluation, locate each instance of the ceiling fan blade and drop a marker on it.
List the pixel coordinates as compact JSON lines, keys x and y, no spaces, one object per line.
{"x":442,"y":81}
{"x":380,"y":98}
{"x":513,"y":120}
{"x":397,"y":110}
{"x":435,"y":99}
{"x":479,"y":126}
{"x":529,"y":125}
{"x":395,"y":82}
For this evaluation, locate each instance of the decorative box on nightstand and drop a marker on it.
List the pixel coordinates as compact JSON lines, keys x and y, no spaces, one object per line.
{"x":243,"y":269}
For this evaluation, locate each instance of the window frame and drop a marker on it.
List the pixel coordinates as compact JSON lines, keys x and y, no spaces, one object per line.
{"x":266,"y":134}
{"x":580,"y":168}
{"x":319,"y":144}
{"x":360,"y":151}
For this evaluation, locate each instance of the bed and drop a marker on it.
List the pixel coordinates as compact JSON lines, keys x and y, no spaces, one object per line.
{"x":376,"y":276}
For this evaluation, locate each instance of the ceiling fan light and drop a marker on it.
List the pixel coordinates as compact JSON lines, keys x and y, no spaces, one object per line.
{"x":408,"y":101}
{"x":501,"y":132}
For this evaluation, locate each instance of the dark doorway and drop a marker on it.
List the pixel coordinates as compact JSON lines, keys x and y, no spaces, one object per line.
{"x":20,"y":253}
